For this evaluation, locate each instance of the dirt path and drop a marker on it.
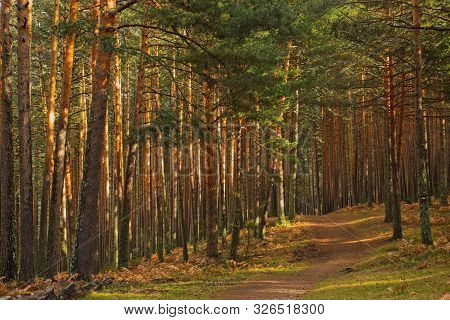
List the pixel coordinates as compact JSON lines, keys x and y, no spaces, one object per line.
{"x":339,"y":245}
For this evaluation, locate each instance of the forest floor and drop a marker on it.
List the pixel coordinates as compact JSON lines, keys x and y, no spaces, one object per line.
{"x":343,"y":255}
{"x":337,"y":241}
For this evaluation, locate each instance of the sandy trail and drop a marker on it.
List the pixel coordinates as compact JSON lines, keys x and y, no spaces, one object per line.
{"x":340,"y":248}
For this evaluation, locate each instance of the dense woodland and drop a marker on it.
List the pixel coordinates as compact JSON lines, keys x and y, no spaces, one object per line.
{"x":132,"y":127}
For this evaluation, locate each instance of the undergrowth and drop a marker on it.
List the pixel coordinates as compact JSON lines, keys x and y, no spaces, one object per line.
{"x":200,"y":277}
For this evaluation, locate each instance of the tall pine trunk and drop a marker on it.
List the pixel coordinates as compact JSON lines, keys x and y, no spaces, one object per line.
{"x":210,"y":174}
{"x":236,"y":193}
{"x":443,"y":163}
{"x":8,"y":267}
{"x":54,"y":245}
{"x":118,"y":145}
{"x":87,"y":246}
{"x":25,"y":151}
{"x":49,"y":147}
{"x":421,"y":146}
{"x":396,"y":210}
{"x":126,"y":209}
{"x":387,"y":178}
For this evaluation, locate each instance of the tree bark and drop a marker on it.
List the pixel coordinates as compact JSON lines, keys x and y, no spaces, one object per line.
{"x":87,"y":247}
{"x":49,"y":147}
{"x":126,"y":209}
{"x":443,"y":162}
{"x":396,"y":210}
{"x":124,"y":220}
{"x":25,"y":151}
{"x":387,"y":198}
{"x":236,"y":194}
{"x":210,"y":175}
{"x":118,"y":143}
{"x":68,"y":188}
{"x":8,"y":266}
{"x":54,"y":245}
{"x":370,"y":163}
{"x":421,"y":146}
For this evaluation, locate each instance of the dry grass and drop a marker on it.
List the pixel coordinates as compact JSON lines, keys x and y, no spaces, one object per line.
{"x":201,"y":276}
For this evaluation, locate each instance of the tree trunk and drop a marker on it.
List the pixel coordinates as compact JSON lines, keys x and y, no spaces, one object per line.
{"x":293,"y":157}
{"x":183,"y":184}
{"x":49,"y":147}
{"x":8,"y":266}
{"x":26,"y":179}
{"x":370,"y":163}
{"x":316,"y":163}
{"x":396,"y":210}
{"x":124,"y":220}
{"x":443,"y":163}
{"x":87,"y":250}
{"x":210,"y":175}
{"x":83,"y":125}
{"x":126,"y":209}
{"x":422,"y":174}
{"x":70,"y":206}
{"x":236,"y":194}
{"x":118,"y":143}
{"x":387,"y":198}
{"x":53,"y":252}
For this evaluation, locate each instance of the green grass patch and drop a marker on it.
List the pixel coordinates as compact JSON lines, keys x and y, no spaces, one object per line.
{"x":380,"y":278}
{"x":399,"y":270}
